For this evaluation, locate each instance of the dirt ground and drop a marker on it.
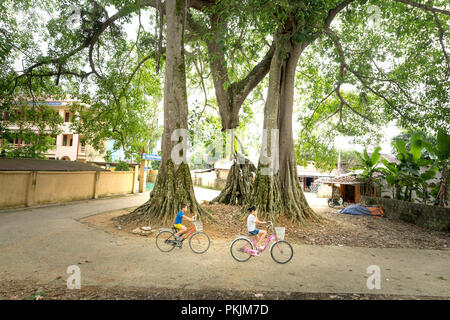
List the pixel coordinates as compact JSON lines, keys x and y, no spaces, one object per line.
{"x":26,"y":290}
{"x":336,"y":229}
{"x":34,"y":267}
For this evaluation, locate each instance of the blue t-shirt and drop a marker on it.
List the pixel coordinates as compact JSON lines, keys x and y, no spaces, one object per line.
{"x":179,"y":217}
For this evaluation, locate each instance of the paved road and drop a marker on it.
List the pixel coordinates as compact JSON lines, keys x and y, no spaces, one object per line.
{"x":205,"y":194}
{"x":40,"y":243}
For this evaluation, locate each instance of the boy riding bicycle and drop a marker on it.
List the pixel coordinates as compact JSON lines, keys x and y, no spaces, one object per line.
{"x":252,"y":220}
{"x":178,"y":222}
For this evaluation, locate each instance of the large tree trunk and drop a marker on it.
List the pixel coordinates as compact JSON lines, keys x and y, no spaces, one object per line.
{"x":294,"y":202}
{"x":239,"y":182}
{"x":279,"y":193}
{"x":173,"y":185}
{"x":266,"y":193}
{"x":231,"y":96}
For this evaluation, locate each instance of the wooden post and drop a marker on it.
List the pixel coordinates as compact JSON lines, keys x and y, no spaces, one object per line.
{"x":343,"y":191}
{"x":142,"y":176}
{"x":339,"y":163}
{"x":357,"y":193}
{"x":135,"y":176}
{"x":31,"y":188}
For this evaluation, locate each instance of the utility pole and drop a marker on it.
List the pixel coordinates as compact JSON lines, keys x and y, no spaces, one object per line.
{"x":339,"y":163}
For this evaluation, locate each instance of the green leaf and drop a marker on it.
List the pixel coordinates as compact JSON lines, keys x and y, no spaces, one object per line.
{"x":429,"y":174}
{"x":413,"y":171}
{"x":400,"y":145}
{"x":391,"y":180}
{"x":417,"y":146}
{"x":375,"y":157}
{"x":390,"y":166}
{"x":443,"y":145}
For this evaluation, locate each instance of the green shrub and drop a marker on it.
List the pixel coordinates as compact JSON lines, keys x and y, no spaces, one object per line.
{"x":155,"y":164}
{"x":122,"y":166}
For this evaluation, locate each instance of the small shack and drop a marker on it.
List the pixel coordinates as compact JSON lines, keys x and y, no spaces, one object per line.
{"x":222,"y":168}
{"x":204,"y":178}
{"x":350,"y":188}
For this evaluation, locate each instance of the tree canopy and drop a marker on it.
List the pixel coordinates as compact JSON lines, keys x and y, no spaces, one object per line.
{"x":354,"y":66}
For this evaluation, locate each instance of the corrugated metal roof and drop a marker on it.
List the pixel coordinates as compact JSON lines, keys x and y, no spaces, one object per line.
{"x":9,"y":164}
{"x":223,"y":164}
{"x":313,"y":174}
{"x":345,"y":180}
{"x":311,"y":170}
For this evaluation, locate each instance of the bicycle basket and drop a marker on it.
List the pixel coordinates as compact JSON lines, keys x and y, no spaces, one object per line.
{"x":198,"y":225}
{"x":279,"y":231}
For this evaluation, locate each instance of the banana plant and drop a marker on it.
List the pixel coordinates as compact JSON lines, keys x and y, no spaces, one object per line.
{"x":393,"y":176}
{"x":422,"y":183}
{"x":369,"y":165}
{"x":407,"y":172}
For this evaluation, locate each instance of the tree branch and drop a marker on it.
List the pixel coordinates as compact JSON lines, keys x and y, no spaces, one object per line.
{"x":395,"y":82}
{"x":441,"y":41}
{"x":255,"y":76}
{"x":317,"y":108}
{"x":333,"y":12}
{"x":334,"y":37}
{"x":89,"y":42}
{"x":424,"y":7}
{"x":138,"y":67}
{"x":91,"y":61}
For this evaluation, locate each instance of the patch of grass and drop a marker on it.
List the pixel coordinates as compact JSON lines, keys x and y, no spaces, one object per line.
{"x":34,"y":296}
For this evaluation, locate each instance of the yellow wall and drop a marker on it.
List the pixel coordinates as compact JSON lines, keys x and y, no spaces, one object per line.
{"x":17,"y":188}
{"x":117,"y":182}
{"x":13,"y":188}
{"x":63,"y":186}
{"x":222,"y":173}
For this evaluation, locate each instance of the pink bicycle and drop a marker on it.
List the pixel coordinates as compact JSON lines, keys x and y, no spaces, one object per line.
{"x":242,"y":248}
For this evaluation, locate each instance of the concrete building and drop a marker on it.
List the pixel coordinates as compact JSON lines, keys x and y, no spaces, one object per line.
{"x":68,"y":144}
{"x":310,"y":175}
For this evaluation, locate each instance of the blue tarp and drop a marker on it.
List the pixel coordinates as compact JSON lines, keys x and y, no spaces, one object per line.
{"x":355,"y":209}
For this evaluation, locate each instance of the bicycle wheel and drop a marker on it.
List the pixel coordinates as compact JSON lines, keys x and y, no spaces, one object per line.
{"x":331,"y":203}
{"x":240,"y":249}
{"x":281,"y":252}
{"x":199,"y":242}
{"x":165,"y":241}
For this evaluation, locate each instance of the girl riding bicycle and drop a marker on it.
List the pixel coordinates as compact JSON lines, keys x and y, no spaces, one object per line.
{"x":252,"y":220}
